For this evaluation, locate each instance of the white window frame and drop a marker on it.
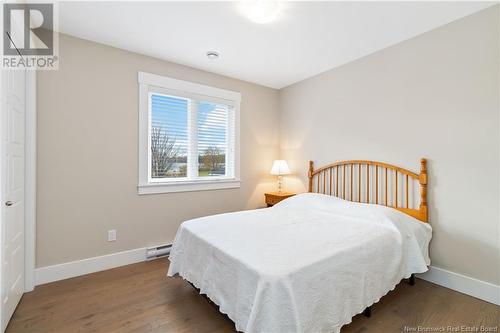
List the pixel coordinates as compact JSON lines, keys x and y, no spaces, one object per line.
{"x":152,"y":83}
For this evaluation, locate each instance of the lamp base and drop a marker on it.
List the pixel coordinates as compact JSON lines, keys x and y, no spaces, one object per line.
{"x":280,"y":184}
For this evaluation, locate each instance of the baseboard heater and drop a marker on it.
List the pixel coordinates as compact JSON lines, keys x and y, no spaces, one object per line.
{"x":156,"y":252}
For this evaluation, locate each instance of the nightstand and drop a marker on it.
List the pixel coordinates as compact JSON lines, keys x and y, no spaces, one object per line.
{"x":274,"y":197}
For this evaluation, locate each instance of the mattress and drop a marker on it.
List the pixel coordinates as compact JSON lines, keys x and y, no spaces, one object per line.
{"x":308,"y":264}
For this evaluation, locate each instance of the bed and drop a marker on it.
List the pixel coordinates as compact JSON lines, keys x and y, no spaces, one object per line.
{"x":313,"y":261}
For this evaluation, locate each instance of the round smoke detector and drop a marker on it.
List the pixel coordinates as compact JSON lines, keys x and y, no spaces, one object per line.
{"x":213,"y":55}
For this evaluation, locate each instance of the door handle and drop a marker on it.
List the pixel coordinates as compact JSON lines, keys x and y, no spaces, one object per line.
{"x":8,"y":203}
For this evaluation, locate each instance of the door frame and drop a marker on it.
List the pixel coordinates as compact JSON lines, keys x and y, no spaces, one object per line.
{"x":30,"y":183}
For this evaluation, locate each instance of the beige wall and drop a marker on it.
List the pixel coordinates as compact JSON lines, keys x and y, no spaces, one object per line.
{"x":434,"y":96}
{"x":88,"y":154}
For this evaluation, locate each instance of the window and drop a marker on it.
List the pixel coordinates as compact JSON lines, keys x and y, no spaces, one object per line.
{"x":189,"y":136}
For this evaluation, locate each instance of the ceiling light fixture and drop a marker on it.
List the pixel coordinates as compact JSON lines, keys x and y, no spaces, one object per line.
{"x":212,"y":55}
{"x":262,"y":11}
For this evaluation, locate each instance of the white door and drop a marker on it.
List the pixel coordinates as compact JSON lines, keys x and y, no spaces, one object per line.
{"x":12,"y":120}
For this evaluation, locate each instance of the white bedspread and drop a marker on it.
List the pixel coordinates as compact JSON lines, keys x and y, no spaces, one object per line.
{"x":308,"y":264}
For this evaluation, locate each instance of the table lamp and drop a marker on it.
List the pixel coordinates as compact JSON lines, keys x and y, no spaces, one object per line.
{"x":280,"y":168}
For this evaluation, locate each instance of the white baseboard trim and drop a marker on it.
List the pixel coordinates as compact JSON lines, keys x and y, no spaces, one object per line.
{"x":480,"y":289}
{"x":486,"y":291}
{"x":86,"y":266}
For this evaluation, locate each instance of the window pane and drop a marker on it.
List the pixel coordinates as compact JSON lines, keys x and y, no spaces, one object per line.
{"x":212,"y":139}
{"x":169,"y":136}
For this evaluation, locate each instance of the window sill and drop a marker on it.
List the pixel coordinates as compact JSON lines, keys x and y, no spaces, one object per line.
{"x":188,"y":186}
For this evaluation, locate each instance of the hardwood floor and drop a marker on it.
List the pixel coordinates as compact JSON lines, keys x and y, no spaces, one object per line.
{"x":140,"y":298}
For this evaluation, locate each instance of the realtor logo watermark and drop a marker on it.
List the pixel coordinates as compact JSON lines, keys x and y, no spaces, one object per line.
{"x":29,"y":37}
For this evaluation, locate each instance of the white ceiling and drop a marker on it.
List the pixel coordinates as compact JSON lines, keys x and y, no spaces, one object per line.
{"x":307,"y":38}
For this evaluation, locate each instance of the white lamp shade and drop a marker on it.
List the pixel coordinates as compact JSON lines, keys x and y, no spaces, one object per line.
{"x":280,"y":167}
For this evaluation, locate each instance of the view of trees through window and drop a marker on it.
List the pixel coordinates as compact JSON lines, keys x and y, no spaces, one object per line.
{"x":211,"y":138}
{"x":169,"y":139}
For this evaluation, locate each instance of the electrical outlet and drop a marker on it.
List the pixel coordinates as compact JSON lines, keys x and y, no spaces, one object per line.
{"x":111,"y":235}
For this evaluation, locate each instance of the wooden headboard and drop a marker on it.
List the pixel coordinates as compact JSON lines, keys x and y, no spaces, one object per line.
{"x":374,"y":182}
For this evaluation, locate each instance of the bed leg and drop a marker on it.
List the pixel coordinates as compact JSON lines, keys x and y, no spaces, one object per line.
{"x":412,"y":280}
{"x":368,"y":312}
